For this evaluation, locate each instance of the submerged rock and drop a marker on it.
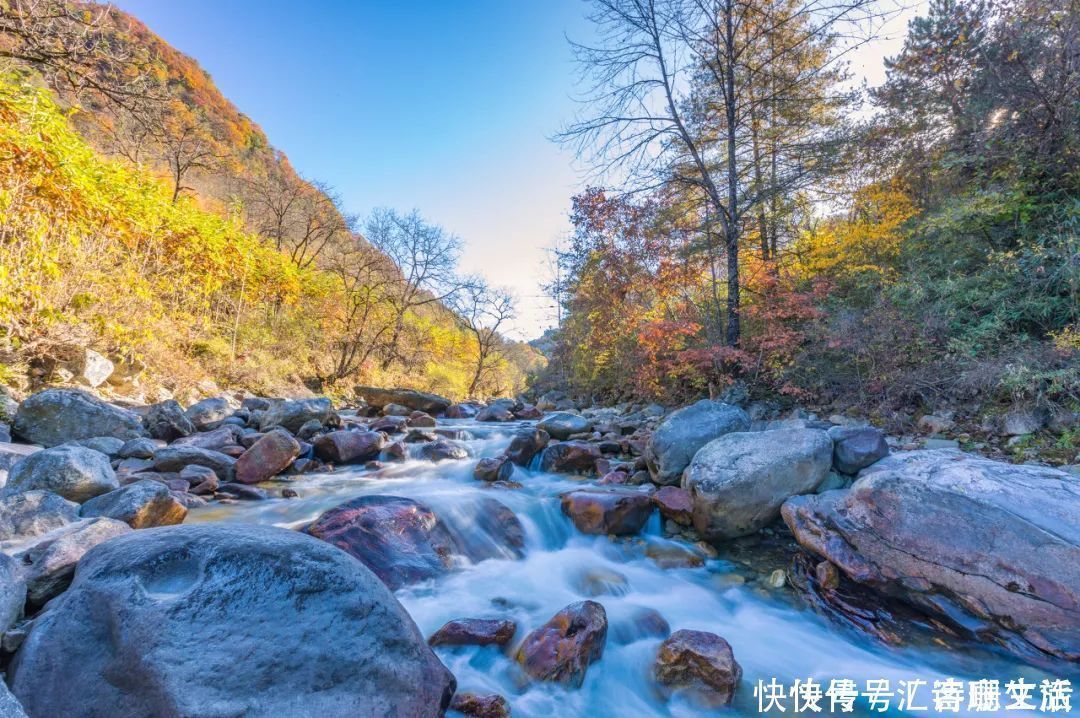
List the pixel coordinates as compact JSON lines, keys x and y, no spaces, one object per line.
{"x":74,"y":472}
{"x":739,"y":481}
{"x":180,"y":621}
{"x":607,"y":511}
{"x":562,"y":649}
{"x":494,"y":469}
{"x":54,"y":416}
{"x":400,"y":540}
{"x":988,"y":547}
{"x":700,"y":662}
{"x":474,"y":632}
{"x":684,"y":432}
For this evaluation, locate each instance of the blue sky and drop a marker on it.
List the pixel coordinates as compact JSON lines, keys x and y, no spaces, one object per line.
{"x":443,"y":106}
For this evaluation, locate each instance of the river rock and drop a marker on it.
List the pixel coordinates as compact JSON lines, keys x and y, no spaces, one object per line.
{"x":414,"y":400}
{"x":167,"y":421}
{"x":33,"y":513}
{"x":173,"y":459}
{"x":399,"y":539}
{"x":563,"y":425}
{"x":13,"y":594}
{"x":49,"y":562}
{"x":350,"y":447}
{"x":203,"y":414}
{"x":216,"y":440}
{"x":10,"y":454}
{"x":739,"y":481}
{"x":293,"y":413}
{"x":54,"y":416}
{"x":462,"y":411}
{"x":562,"y":649}
{"x":494,"y":469}
{"x":396,"y":410}
{"x":569,"y":457}
{"x":701,"y":662}
{"x":968,"y":539}
{"x":420,"y":436}
{"x":855,"y":448}
{"x":495,"y":412}
{"x":526,"y":444}
{"x":486,"y":528}
{"x":475,"y":705}
{"x":140,"y":505}
{"x":173,"y":622}
{"x":675,"y":503}
{"x":422,"y":420}
{"x":267,"y":457}
{"x":442,"y":450}
{"x":141,"y":448}
{"x":684,"y":432}
{"x":607,"y":511}
{"x":108,"y":445}
{"x":74,"y":472}
{"x":474,"y":632}
{"x":390,"y":424}
{"x":9,"y":704}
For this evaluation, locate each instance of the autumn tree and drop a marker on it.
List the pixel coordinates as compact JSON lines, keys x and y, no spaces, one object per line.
{"x":483,"y":311}
{"x":677,"y":88}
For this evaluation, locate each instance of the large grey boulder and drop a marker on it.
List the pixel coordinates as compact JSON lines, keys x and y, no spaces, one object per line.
{"x":12,"y":593}
{"x":74,"y":472}
{"x":989,"y":546}
{"x":294,"y":413}
{"x":563,"y":425}
{"x":9,"y":705}
{"x":167,"y":421}
{"x":54,"y":416}
{"x":203,"y":413}
{"x":33,"y":513}
{"x":856,"y":447}
{"x":415,"y":400}
{"x":10,"y":454}
{"x":237,"y":620}
{"x":738,"y":482}
{"x":683,"y":432}
{"x":49,"y":562}
{"x":141,"y":505}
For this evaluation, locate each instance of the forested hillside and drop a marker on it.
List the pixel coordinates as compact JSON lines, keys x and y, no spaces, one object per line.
{"x":143,"y":216}
{"x":895,"y":251}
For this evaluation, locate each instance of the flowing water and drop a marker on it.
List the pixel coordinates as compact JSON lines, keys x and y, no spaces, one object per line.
{"x":771,"y":634}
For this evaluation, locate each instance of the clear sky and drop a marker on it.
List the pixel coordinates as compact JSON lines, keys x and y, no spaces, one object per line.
{"x":445,"y":106}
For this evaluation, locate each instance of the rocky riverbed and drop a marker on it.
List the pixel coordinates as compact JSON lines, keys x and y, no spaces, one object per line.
{"x":406,"y":555}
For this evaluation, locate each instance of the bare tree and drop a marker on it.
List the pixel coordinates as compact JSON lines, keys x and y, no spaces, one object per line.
{"x":367,"y":278}
{"x":426,"y":256}
{"x":675,"y":90}
{"x":185,"y":142}
{"x":482,"y":311}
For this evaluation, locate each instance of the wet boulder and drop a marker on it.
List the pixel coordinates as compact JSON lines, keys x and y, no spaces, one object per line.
{"x":675,"y":504}
{"x":390,"y":424}
{"x":350,"y":447}
{"x":54,"y":416}
{"x":563,"y":425}
{"x":74,"y":472}
{"x":173,"y":459}
{"x":267,"y":457}
{"x":292,"y":414}
{"x":475,"y":705}
{"x":33,"y":513}
{"x":485,"y":528}
{"x":140,"y":505}
{"x":738,"y":482}
{"x":413,"y":400}
{"x":400,"y":540}
{"x":607,"y":511}
{"x":421,"y":420}
{"x":205,"y":413}
{"x":167,"y":421}
{"x":684,"y":432}
{"x":494,"y":469}
{"x":569,"y":457}
{"x":701,"y":663}
{"x":526,"y":444}
{"x":856,"y":447}
{"x":420,"y":436}
{"x":48,"y":563}
{"x":495,"y":412}
{"x":462,"y":411}
{"x":442,"y":450}
{"x":396,"y":410}
{"x":170,"y":621}
{"x":984,"y":545}
{"x":562,"y":649}
{"x":474,"y":632}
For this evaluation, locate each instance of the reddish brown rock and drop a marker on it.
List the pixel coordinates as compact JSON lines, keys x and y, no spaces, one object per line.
{"x":607,"y":511}
{"x":700,"y":662}
{"x":216,"y":440}
{"x":349,"y":447}
{"x":474,"y":632}
{"x":528,"y":412}
{"x":498,"y":469}
{"x":390,"y":424}
{"x":562,"y":649}
{"x":400,"y":540}
{"x":421,"y":420}
{"x":613,"y":478}
{"x":267,"y":457}
{"x":569,"y":457}
{"x":676,"y":504}
{"x":480,"y":706}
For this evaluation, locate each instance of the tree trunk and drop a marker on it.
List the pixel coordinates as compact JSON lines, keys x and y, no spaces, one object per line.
{"x":732,"y":234}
